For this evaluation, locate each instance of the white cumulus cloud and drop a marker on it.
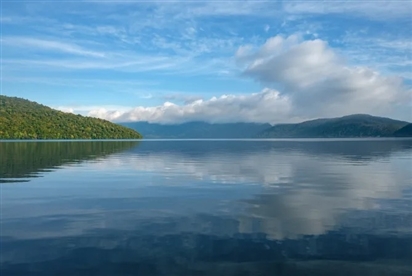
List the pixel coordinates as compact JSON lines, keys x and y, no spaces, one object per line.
{"x":318,"y":81}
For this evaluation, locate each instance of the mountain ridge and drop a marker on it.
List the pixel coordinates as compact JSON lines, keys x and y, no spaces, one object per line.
{"x":354,"y":125}
{"x":350,"y":126}
{"x":405,"y":131}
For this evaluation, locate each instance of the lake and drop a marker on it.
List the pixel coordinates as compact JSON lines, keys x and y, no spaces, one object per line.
{"x":200,"y":207}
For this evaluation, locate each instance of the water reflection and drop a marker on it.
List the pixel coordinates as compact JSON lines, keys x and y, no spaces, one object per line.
{"x":131,"y":253}
{"x":217,"y":208}
{"x":305,"y":187}
{"x":22,"y":160}
{"x":351,"y":149}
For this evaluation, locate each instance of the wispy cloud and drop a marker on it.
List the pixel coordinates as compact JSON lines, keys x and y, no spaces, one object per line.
{"x":40,"y":44}
{"x":376,"y":10}
{"x":137,"y":64}
{"x":81,"y":82}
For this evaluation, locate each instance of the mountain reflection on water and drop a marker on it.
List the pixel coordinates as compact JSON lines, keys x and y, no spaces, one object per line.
{"x":212,"y":208}
{"x":19,"y":160}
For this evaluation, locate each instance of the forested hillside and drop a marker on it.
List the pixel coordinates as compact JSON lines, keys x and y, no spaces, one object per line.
{"x":406,"y":131}
{"x":357,"y":125}
{"x":23,"y":119}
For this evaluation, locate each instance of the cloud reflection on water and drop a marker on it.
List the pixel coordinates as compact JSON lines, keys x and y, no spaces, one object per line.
{"x":256,"y":196}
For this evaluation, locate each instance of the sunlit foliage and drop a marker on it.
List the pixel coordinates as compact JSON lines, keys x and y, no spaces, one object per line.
{"x":23,"y":119}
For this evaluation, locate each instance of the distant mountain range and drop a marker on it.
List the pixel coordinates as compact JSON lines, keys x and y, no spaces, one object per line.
{"x":198,"y":130}
{"x":358,"y":125}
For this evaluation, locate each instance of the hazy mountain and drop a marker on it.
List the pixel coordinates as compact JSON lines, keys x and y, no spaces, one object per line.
{"x":23,"y":119}
{"x":198,"y":130}
{"x":406,"y":131}
{"x":358,"y":125}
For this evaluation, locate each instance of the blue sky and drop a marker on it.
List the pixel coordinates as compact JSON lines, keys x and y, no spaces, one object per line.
{"x":218,"y":61}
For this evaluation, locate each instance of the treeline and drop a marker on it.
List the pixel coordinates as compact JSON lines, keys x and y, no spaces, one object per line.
{"x":23,"y":119}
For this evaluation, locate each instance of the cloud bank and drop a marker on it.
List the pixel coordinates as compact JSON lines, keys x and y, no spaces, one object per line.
{"x":303,"y":79}
{"x":256,"y":107}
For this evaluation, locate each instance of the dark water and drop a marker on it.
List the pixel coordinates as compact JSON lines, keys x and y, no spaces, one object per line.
{"x":206,"y":208}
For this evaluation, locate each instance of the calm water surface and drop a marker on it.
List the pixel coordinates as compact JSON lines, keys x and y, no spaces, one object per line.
{"x":206,"y":208}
